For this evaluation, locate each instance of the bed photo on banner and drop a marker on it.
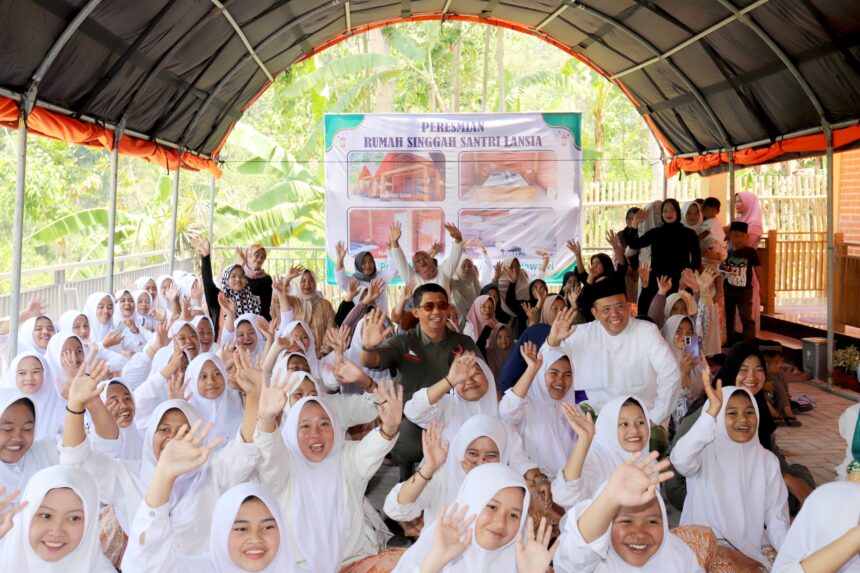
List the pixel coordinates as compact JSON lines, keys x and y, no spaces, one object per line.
{"x":512,"y":180}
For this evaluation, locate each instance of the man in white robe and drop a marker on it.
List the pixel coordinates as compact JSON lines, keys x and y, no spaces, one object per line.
{"x":615,"y":356}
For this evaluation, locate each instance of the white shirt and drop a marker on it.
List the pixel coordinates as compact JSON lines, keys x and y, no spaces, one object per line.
{"x":444,"y":271}
{"x":636,"y":361}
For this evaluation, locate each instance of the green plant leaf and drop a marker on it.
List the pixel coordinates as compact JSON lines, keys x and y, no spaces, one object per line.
{"x":333,"y":72}
{"x":286,"y":192}
{"x":72,"y":224}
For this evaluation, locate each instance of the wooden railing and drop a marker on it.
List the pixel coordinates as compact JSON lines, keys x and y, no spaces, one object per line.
{"x":846,"y":299}
{"x":795,"y":264}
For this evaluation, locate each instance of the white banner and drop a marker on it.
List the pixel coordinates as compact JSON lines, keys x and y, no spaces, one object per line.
{"x":512,"y":180}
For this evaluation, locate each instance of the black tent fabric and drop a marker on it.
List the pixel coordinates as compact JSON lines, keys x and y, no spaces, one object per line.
{"x":707,"y":75}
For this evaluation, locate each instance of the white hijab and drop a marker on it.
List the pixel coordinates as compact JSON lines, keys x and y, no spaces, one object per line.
{"x":319,"y":508}
{"x":98,"y":331}
{"x":195,"y":322}
{"x":547,"y":436}
{"x":218,"y":558}
{"x":310,"y":352}
{"x":50,"y":406}
{"x":606,"y":452}
{"x":714,"y":494}
{"x":477,"y":490}
{"x":117,"y":313}
{"x":475,"y":427}
{"x":130,"y":440}
{"x":686,"y":207}
{"x":828,"y":513}
{"x":140,"y":282}
{"x":87,"y":556}
{"x":25,"y":335}
{"x":42,"y":453}
{"x":461,"y":410}
{"x":67,"y":320}
{"x":522,"y":286}
{"x":162,"y":300}
{"x":251,"y":319}
{"x":673,"y":555}
{"x":226,"y":411}
{"x":54,"y":354}
{"x":146,"y":319}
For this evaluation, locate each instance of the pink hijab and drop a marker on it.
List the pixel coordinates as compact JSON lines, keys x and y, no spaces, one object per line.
{"x":474,"y":316}
{"x":752,"y":212}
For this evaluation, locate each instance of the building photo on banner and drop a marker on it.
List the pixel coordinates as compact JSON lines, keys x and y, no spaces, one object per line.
{"x":511,"y":180}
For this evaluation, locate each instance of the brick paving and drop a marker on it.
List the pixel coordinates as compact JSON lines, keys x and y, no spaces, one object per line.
{"x":817,"y":444}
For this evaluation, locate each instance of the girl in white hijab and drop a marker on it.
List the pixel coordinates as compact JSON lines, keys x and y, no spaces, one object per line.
{"x":691,"y":216}
{"x":205,"y":332}
{"x":119,"y":400}
{"x":469,"y":389}
{"x":246,"y":334}
{"x":534,"y":407}
{"x":825,"y":535}
{"x":58,"y":530}
{"x":76,"y":322}
{"x":129,"y":322}
{"x":164,"y":284}
{"x":29,"y":373}
{"x":478,"y":534}
{"x":143,"y":305}
{"x":302,"y":340}
{"x":100,"y":311}
{"x":625,"y":529}
{"x":123,"y":483}
{"x":66,"y":352}
{"x":622,"y":429}
{"x":480,"y":440}
{"x":34,"y":334}
{"x":214,"y":400}
{"x":734,"y":485}
{"x":147,"y":284}
{"x":319,"y":479}
{"x":675,"y":331}
{"x":21,"y":454}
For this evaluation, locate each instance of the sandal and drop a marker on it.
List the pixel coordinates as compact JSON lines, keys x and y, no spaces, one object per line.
{"x":779,"y":421}
{"x":792,"y":422}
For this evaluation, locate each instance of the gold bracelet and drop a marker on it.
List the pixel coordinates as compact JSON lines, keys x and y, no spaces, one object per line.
{"x":386,"y":435}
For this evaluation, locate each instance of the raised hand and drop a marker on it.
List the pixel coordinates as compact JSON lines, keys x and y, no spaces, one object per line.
{"x":454,"y":232}
{"x":531,"y":312}
{"x":575,"y":248}
{"x":431,"y":444}
{"x":273,"y":399}
{"x":529,"y":352}
{"x":394,"y":233}
{"x":295,"y":271}
{"x":197,"y":292}
{"x":8,"y":510}
{"x":112,"y":339}
{"x":249,"y":376}
{"x":573,"y":295}
{"x":408,"y":289}
{"x":511,"y":274}
{"x":664,"y":284}
{"x":452,"y":535}
{"x":580,"y":422}
{"x":176,"y":386}
{"x":348,"y":372}
{"x":644,"y":274}
{"x":461,"y":369}
{"x":68,"y":363}
{"x":186,"y":452}
{"x":435,"y":249}
{"x":688,"y":279}
{"x":340,"y":249}
{"x":227,"y":304}
{"x":715,"y":395}
{"x":562,"y":327}
{"x":497,"y":272}
{"x":173,"y":293}
{"x":85,"y":387}
{"x":640,"y":216}
{"x":634,"y":482}
{"x":614,"y":241}
{"x":533,"y":551}
{"x":374,"y":331}
{"x":241,"y":256}
{"x":389,"y":404}
{"x":352,"y":288}
{"x":201,"y":245}
{"x":36,"y":307}
{"x":705,"y":279}
{"x":185,"y":310}
{"x":375,"y":290}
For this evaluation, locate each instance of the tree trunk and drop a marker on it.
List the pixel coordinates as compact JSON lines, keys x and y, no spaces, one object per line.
{"x":455,"y":72}
{"x":379,"y":44}
{"x":500,"y":64}
{"x":487,"y":32}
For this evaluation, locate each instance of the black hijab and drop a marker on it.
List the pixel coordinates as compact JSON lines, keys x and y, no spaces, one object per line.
{"x":501,"y":315}
{"x":729,"y":374}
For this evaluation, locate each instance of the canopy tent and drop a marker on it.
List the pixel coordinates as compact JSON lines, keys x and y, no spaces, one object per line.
{"x":721,"y":83}
{"x":762,"y":78}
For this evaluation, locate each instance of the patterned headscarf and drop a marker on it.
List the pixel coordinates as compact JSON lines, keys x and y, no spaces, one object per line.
{"x":245,"y":301}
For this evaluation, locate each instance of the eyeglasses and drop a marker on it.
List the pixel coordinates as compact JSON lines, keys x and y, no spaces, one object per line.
{"x":431,"y":306}
{"x":618,"y":307}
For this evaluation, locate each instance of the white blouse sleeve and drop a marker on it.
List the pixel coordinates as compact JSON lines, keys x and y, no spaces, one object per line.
{"x":357,"y":409}
{"x":147,"y":397}
{"x":273,"y":463}
{"x":409,"y":511}
{"x":401,"y":265}
{"x":517,"y":457}
{"x":776,"y":515}
{"x":686,"y":456}
{"x":341,"y":279}
{"x":363,"y":459}
{"x":234,"y":463}
{"x":512,"y":408}
{"x":150,"y":543}
{"x":420,"y":411}
{"x":568,"y":493}
{"x":136,"y":370}
{"x":574,"y":554}
{"x":452,"y":261}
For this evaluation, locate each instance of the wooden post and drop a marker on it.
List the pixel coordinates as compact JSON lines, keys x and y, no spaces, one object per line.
{"x":768,"y":289}
{"x":839,"y":287}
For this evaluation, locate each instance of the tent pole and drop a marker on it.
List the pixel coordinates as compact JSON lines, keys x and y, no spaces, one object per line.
{"x":212,"y":188}
{"x":171,"y":254}
{"x":663,"y":161}
{"x":732,"y":185}
{"x":18,"y":234}
{"x":831,"y":252}
{"x":114,"y":176}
